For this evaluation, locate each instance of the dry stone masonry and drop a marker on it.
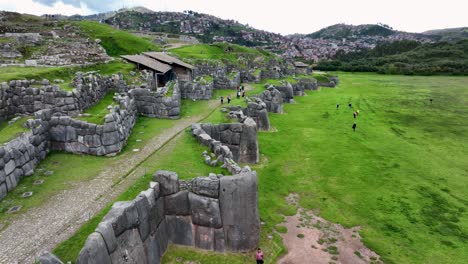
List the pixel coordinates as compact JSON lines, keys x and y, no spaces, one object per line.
{"x":240,"y":139}
{"x":196,"y":90}
{"x":213,"y":213}
{"x":157,"y":103}
{"x":54,"y":127}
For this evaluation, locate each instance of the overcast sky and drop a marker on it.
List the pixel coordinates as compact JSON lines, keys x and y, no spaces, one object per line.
{"x":286,"y":17}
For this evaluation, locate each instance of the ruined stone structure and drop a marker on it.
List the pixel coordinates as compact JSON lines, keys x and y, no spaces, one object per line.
{"x":196,"y":90}
{"x":19,"y":157}
{"x":273,"y":99}
{"x":214,"y":213}
{"x":222,"y":80}
{"x":27,"y":97}
{"x":239,"y":138}
{"x":256,"y":109}
{"x":158,"y":103}
{"x":286,"y":90}
{"x":54,"y":128}
{"x":76,"y":136}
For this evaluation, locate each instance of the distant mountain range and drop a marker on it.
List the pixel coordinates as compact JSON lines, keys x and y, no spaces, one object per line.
{"x":323,"y":44}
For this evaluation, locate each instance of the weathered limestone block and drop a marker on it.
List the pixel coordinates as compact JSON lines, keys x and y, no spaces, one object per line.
{"x":168,"y":182}
{"x":206,"y":186}
{"x":130,"y":249}
{"x":180,"y":230}
{"x":204,"y":237}
{"x":205,"y":211}
{"x":177,"y":204}
{"x":248,"y":148}
{"x":241,"y":226}
{"x":94,"y":251}
{"x":122,"y":216}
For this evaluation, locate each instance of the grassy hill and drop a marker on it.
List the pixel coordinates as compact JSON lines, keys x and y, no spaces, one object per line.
{"x":405,"y":57}
{"x":116,"y":42}
{"x":217,"y":51}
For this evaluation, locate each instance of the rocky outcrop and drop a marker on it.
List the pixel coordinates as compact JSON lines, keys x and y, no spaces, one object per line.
{"x":257,"y":110}
{"x":158,"y":103}
{"x":213,"y":213}
{"x":273,"y":99}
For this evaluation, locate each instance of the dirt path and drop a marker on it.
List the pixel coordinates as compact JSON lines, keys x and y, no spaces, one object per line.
{"x":311,"y":239}
{"x":44,"y":227}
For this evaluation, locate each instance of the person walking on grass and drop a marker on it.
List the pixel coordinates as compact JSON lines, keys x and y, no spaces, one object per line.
{"x":222,"y":100}
{"x":350,"y":105}
{"x":238,"y":94}
{"x":355,"y":114}
{"x":229,"y":99}
{"x":243,"y":94}
{"x":337,"y":106}
{"x":354,"y":127}
{"x":259,"y":256}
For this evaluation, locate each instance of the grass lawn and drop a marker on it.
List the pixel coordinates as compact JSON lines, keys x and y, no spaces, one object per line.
{"x":402,"y":176}
{"x":98,"y":112}
{"x":9,"y":132}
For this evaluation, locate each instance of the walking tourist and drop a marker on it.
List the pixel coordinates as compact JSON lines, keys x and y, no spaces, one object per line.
{"x":259,"y":256}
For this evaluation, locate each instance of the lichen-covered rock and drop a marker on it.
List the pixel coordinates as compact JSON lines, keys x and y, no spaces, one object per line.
{"x":48,"y":258}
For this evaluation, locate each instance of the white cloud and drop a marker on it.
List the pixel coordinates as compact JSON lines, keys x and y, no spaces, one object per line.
{"x":301,"y":16}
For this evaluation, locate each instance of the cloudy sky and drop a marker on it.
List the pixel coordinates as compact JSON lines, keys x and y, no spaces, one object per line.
{"x":286,"y":17}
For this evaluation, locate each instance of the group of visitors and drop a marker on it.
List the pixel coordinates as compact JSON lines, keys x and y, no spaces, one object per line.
{"x":355,"y":114}
{"x":240,"y":92}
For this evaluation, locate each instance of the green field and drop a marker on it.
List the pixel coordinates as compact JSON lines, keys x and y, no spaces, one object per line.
{"x":402,"y":176}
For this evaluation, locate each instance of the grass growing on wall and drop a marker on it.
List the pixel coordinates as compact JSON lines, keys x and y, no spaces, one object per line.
{"x":98,"y":112}
{"x":9,"y":132}
{"x":64,"y":73}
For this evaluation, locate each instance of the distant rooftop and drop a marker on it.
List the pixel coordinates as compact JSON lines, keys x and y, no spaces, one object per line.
{"x":148,"y":62}
{"x":160,"y":56}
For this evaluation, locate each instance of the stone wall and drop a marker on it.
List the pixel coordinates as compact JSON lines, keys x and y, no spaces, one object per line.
{"x":256,"y":109}
{"x":212,"y":213}
{"x":273,"y":99}
{"x":76,"y":136}
{"x":196,"y":90}
{"x":240,"y":138}
{"x":29,"y":96}
{"x":222,"y":80}
{"x":19,"y":157}
{"x":286,"y":90}
{"x":157,"y":103}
